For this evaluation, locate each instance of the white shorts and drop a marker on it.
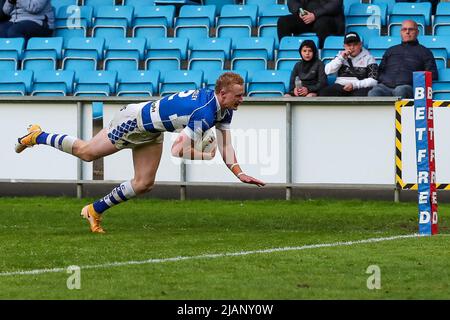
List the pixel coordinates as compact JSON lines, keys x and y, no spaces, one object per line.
{"x":126,"y":129}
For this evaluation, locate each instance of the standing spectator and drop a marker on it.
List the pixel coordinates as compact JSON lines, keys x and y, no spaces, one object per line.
{"x":309,"y":70}
{"x":324,"y":17}
{"x":29,"y":18}
{"x":356,"y":69}
{"x":399,"y":62}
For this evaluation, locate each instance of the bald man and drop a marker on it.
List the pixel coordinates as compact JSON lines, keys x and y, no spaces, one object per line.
{"x":395,"y":73}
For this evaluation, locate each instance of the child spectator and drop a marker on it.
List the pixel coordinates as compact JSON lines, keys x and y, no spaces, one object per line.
{"x":310,"y":71}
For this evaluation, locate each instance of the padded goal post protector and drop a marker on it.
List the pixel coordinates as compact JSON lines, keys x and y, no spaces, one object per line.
{"x":399,"y":107}
{"x":425,"y":153}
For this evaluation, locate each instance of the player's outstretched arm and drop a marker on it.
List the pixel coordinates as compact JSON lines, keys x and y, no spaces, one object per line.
{"x":183,"y":147}
{"x":229,"y":157}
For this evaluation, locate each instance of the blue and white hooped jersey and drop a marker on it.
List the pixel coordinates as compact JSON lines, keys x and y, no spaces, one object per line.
{"x":193,"y":111}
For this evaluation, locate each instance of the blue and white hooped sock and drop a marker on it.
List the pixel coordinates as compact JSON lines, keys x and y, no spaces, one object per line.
{"x":61,"y":142}
{"x":119,"y":194}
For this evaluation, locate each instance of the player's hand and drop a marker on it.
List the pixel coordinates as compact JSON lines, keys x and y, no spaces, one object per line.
{"x":348,"y":87}
{"x":213,"y":152}
{"x":250,"y":180}
{"x":308,"y":18}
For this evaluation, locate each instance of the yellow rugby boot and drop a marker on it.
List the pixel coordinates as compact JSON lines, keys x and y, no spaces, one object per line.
{"x":94,"y":218}
{"x":29,"y":139}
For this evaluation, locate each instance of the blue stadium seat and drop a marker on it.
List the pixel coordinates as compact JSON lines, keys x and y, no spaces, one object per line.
{"x":68,"y":33}
{"x":419,"y":12}
{"x":268,"y":18}
{"x":174,"y":2}
{"x":378,"y":46}
{"x":367,"y":14}
{"x":441,"y":87}
{"x":439,"y":46}
{"x":331,"y":47}
{"x":15,"y":83}
{"x":42,"y":53}
{"x":252,"y":54}
{"x":444,"y":75}
{"x":365,"y":32}
{"x":124,"y":54}
{"x":348,"y":4}
{"x":11,"y":52}
{"x":441,"y":23}
{"x":138,"y":3}
{"x":96,"y":4}
{"x":389,"y":3}
{"x":166,"y":54}
{"x":331,"y":79}
{"x":366,"y":19}
{"x":218,"y":3}
{"x":211,"y":75}
{"x":195,"y":21}
{"x":95,"y":83}
{"x":152,"y":22}
{"x":83,"y":54}
{"x":181,"y":80}
{"x":236,"y":21}
{"x":111,"y":22}
{"x":74,"y":17}
{"x":53,"y":83}
{"x":73,"y":21}
{"x":267,"y":83}
{"x":57,"y":4}
{"x":288,"y":54}
{"x":261,"y":3}
{"x":209,"y":53}
{"x":138,"y":83}
{"x":439,"y":94}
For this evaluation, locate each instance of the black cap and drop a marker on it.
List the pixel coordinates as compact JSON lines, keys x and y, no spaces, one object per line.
{"x":351,"y":37}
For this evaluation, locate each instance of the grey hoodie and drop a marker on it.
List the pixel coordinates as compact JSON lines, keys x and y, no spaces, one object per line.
{"x":31,"y":10}
{"x":363,"y":74}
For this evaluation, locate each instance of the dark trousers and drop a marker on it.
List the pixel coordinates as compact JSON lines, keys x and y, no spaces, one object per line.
{"x":292,"y":24}
{"x":336,"y":90}
{"x":23,"y":29}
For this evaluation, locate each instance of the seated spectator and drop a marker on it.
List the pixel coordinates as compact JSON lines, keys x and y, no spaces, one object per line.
{"x":310,"y":71}
{"x":324,"y":17}
{"x":395,"y":74}
{"x":29,"y":18}
{"x":356,"y":69}
{"x":3,"y":16}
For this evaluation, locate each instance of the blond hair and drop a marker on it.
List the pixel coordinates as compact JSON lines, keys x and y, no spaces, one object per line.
{"x":228,"y":79}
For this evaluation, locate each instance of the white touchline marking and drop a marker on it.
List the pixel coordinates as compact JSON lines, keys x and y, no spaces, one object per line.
{"x":212,"y":255}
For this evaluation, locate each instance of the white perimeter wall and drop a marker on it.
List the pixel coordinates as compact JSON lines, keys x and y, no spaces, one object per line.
{"x":332,"y":143}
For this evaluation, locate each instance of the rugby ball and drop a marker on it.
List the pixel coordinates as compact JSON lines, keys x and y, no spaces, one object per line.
{"x":208,"y":141}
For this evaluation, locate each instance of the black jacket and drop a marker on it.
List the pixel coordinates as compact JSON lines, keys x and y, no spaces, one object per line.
{"x":334,"y":8}
{"x":314,"y":80}
{"x":400,"y":61}
{"x":3,"y":16}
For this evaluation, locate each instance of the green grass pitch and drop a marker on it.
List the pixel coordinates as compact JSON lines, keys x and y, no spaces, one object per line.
{"x":48,"y":233}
